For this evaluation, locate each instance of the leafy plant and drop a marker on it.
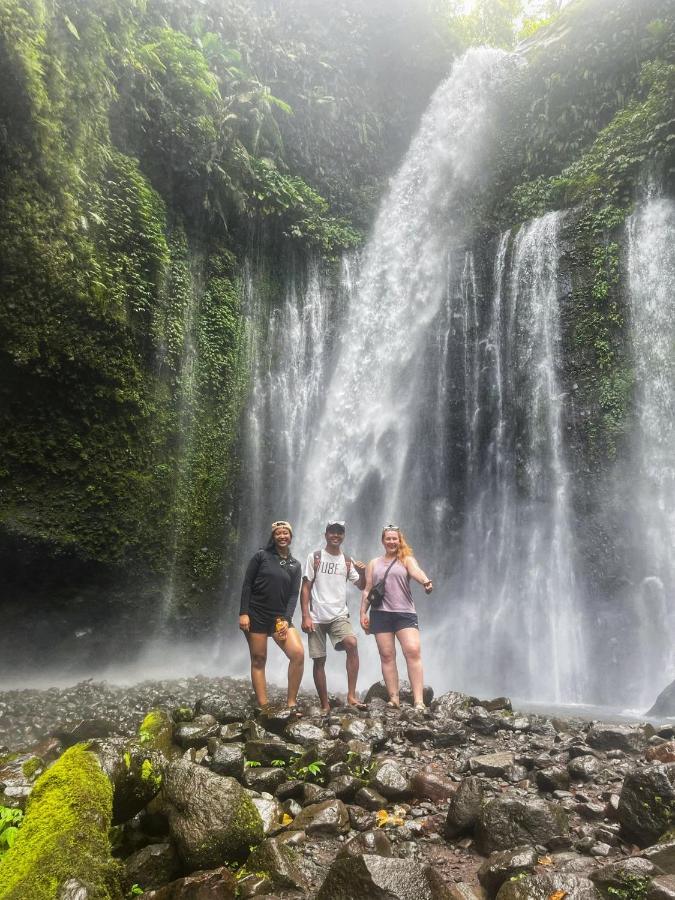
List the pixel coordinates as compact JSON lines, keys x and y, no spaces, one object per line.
{"x":279,"y":763}
{"x":10,"y":822}
{"x":251,"y":764}
{"x":310,"y":771}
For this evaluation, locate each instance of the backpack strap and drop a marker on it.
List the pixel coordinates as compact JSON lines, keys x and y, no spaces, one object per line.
{"x":317,"y":561}
{"x":348,"y":563}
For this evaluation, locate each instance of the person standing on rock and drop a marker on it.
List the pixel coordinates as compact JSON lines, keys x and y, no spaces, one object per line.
{"x":323,"y":600}
{"x":268,"y":599}
{"x":395,"y":615}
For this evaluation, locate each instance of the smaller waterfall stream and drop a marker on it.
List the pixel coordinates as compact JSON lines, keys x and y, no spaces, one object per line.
{"x":651,"y":280}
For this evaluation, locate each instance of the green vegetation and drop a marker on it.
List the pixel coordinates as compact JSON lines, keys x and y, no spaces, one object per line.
{"x":632,"y":887}
{"x":10,"y":822}
{"x":64,"y":833}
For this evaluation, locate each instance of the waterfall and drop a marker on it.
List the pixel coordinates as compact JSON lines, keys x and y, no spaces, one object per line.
{"x":651,"y":277}
{"x":371,"y":428}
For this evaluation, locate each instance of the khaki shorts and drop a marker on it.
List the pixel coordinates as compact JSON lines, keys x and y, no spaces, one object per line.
{"x":337,"y":631}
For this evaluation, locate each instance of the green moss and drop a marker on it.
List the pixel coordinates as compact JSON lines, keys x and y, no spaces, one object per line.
{"x":64,"y":834}
{"x":156,"y":732}
{"x":32,"y":766}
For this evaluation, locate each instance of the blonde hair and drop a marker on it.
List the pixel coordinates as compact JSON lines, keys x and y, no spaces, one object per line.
{"x":404,"y":549}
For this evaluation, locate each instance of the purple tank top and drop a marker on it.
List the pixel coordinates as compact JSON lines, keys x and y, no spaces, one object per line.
{"x":397,"y":596}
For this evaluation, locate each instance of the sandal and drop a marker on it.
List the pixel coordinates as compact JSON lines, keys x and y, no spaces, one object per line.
{"x":420,"y":706}
{"x":358,"y":705}
{"x":393,"y":704}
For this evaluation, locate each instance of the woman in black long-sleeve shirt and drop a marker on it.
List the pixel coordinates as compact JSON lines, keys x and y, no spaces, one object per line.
{"x":268,"y":599}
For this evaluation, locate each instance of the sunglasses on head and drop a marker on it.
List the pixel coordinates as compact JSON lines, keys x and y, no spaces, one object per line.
{"x":391,"y":528}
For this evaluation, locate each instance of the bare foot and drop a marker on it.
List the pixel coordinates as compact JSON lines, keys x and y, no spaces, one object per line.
{"x":356,"y":703}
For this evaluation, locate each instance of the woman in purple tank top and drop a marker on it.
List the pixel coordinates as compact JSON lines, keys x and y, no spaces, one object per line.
{"x":396,"y":617}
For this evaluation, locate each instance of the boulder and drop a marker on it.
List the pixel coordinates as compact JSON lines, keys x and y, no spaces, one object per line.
{"x":261,"y":778}
{"x":495,"y":704}
{"x":416,"y":734}
{"x":494,"y":765}
{"x":153,"y":866}
{"x":551,"y":884}
{"x":195,"y":734}
{"x":664,"y":706}
{"x":277,"y":718}
{"x":135,"y":773}
{"x":511,"y":821}
{"x":279,"y":863}
{"x":583,"y":768}
{"x":647,"y":803}
{"x":217,"y":884}
{"x":266,"y":751}
{"x":554,"y":778}
{"x":225,"y":707}
{"x":663,"y":753}
{"x":504,"y":864}
{"x":304,"y":733}
{"x":447,"y":705}
{"x":661,"y":888}
{"x":450,"y":734}
{"x":345,"y":787}
{"x":270,"y":812}
{"x":211,"y":817}
{"x":428,"y":785}
{"x":369,"y":798}
{"x":361,"y":819}
{"x":329,"y":817}
{"x":389,"y":781}
{"x":156,"y":732}
{"x":374,"y":841}
{"x":619,"y":875}
{"x":228,"y":759}
{"x":314,"y":793}
{"x":616,"y":737}
{"x":379,"y":691}
{"x":380,"y":878}
{"x":663,"y":856}
{"x":231,"y":732}
{"x":465,"y":807}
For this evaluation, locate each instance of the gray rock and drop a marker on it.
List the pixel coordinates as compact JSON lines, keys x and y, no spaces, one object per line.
{"x":389,"y":781}
{"x":583,"y":768}
{"x":647,"y":803}
{"x":254,"y":886}
{"x":74,"y":889}
{"x":416,"y":734}
{"x":552,"y":779}
{"x":375,"y":842}
{"x":279,"y":863}
{"x":329,"y":817}
{"x":344,"y":787}
{"x":447,"y":705}
{"x":260,"y":778}
{"x":135,"y":772}
{"x":506,"y":864}
{"x":494,"y":765}
{"x":304,"y":733}
{"x":361,"y":819}
{"x":482,"y":721}
{"x":664,"y":706}
{"x":428,"y":785}
{"x":380,"y":878}
{"x":277,"y":718}
{"x":314,"y":793}
{"x":495,"y":704}
{"x":228,"y":759}
{"x":218,"y":884}
{"x":616,"y":737}
{"x":465,"y":807}
{"x":510,"y":821}
{"x":195,"y":733}
{"x":619,"y":875}
{"x":543,"y":887}
{"x":290,"y":790}
{"x":379,"y":691}
{"x":211,"y":817}
{"x":663,"y":856}
{"x":369,"y":798}
{"x":450,"y":734}
{"x":225,"y":707}
{"x":232,"y":732}
{"x":271,"y":813}
{"x":662,"y":888}
{"x":153,"y":866}
{"x":265,"y":751}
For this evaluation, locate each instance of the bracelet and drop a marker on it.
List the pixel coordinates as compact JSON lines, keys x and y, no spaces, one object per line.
{"x":425,"y":583}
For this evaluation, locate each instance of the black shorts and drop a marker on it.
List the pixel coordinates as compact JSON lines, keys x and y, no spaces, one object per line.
{"x":382,"y":622}
{"x":263,"y":623}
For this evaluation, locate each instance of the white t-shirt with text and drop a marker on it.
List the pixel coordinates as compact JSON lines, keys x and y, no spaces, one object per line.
{"x":329,"y":591}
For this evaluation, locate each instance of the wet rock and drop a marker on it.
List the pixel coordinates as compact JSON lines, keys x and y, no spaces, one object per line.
{"x":74,"y":889}
{"x":379,"y":878}
{"x":136,"y":775}
{"x":225,"y":707}
{"x":428,"y":785}
{"x":462,"y":891}
{"x":279,"y":863}
{"x":592,"y":811}
{"x":417,"y":734}
{"x":663,"y":753}
{"x":543,"y":887}
{"x":196,"y":733}
{"x":465,"y":807}
{"x":616,"y":737}
{"x":254,"y":886}
{"x":277,"y":719}
{"x":232,"y":732}
{"x":260,"y":778}
{"x":267,"y":751}
{"x":152,"y":866}
{"x":504,"y":864}
{"x":662,"y":888}
{"x":494,"y":765}
{"x":552,"y":779}
{"x":369,"y":798}
{"x":291,"y":808}
{"x":619,"y":875}
{"x":379,"y":691}
{"x":389,"y":781}
{"x":84,"y":730}
{"x":329,"y":817}
{"x":211,"y":817}
{"x":511,"y":821}
{"x":647,"y":803}
{"x":228,"y":759}
{"x":290,"y":790}
{"x":447,"y":705}
{"x":583,"y":768}
{"x":664,"y":706}
{"x":345,"y":787}
{"x":663,"y":856}
{"x":270,"y":812}
{"x":304,"y":733}
{"x":217,"y":884}
{"x":315,"y":793}
{"x":450,"y":734}
{"x":481,"y":721}
{"x":375,"y":841}
{"x":182,"y":714}
{"x":495,"y":704}
{"x":370,"y":731}
{"x":361,"y":819}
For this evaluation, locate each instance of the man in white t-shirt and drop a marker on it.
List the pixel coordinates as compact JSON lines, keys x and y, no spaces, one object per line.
{"x":323,"y":599}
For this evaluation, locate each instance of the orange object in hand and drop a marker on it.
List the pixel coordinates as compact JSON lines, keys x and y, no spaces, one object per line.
{"x":279,"y":624}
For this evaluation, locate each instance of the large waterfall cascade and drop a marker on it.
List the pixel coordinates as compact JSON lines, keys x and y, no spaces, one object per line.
{"x":426,"y":388}
{"x":651,"y":287}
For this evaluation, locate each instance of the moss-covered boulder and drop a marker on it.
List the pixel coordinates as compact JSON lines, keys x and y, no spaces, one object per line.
{"x":156,"y":732}
{"x":64,"y":834}
{"x":134,"y":772}
{"x":211,"y":817}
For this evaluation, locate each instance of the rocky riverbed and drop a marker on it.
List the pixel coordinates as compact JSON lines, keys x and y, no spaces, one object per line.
{"x":468,"y":799}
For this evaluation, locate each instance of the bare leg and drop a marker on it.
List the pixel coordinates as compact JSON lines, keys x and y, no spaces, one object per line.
{"x":387,"y":647}
{"x":352,"y":651}
{"x":295,"y":652}
{"x":257,"y":646}
{"x":320,"y":682}
{"x":409,"y":638}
